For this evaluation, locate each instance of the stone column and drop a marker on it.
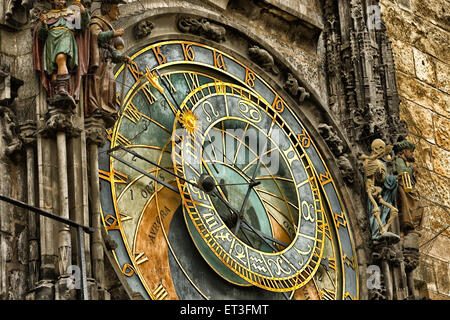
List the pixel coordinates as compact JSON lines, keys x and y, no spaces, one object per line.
{"x":59,"y":123}
{"x":5,"y":215}
{"x":384,"y":255}
{"x":28,"y":137}
{"x":411,"y":255}
{"x":95,"y":137}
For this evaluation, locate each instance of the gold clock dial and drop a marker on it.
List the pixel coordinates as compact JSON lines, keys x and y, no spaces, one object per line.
{"x":285,"y":237}
{"x":248,"y":246}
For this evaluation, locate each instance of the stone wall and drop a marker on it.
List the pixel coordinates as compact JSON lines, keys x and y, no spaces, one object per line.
{"x":419,"y":31}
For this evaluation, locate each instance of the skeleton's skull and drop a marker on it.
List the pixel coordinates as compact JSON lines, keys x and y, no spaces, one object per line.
{"x":378,"y":146}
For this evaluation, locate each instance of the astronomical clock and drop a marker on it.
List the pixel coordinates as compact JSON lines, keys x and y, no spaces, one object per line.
{"x":213,"y":188}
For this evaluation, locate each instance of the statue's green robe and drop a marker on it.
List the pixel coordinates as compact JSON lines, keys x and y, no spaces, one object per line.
{"x":59,"y":36}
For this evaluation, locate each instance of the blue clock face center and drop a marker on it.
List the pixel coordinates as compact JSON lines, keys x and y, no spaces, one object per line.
{"x":233,"y":186}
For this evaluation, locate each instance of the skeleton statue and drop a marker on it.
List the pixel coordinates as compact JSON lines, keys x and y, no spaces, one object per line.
{"x":380,"y":187}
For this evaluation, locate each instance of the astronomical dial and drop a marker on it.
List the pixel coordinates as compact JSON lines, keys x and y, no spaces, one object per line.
{"x":213,"y":189}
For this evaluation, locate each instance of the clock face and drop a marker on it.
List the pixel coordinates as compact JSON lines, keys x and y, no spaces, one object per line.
{"x":213,"y":188}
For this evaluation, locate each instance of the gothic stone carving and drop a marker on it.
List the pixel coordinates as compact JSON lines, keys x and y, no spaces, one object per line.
{"x":95,"y":130}
{"x":202,"y":27}
{"x":291,"y":85}
{"x":143,"y":29}
{"x":337,"y":147}
{"x":263,"y":58}
{"x":10,"y":132}
{"x":15,"y":13}
{"x":59,"y":119}
{"x":331,"y":138}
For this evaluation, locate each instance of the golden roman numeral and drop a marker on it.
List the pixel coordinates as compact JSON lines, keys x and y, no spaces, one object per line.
{"x":140,"y":258}
{"x":132,"y":113}
{"x":160,"y":292}
{"x":122,"y":140}
{"x":192,"y":80}
{"x":327,"y":294}
{"x":148,"y":94}
{"x":168,"y":80}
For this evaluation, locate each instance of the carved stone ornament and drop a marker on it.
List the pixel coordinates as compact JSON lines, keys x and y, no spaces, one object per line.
{"x":10,"y":131}
{"x":337,"y":147}
{"x":28,"y":132}
{"x":411,"y":251}
{"x":346,"y":168}
{"x":331,"y":138}
{"x":377,"y":293}
{"x":9,"y":85}
{"x":15,"y":12}
{"x":202,"y":27}
{"x":143,"y":29}
{"x":263,"y":58}
{"x":296,"y":91}
{"x":95,"y":130}
{"x":59,"y":119}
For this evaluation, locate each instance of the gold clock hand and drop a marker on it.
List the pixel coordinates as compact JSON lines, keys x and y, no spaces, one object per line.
{"x":153,"y":80}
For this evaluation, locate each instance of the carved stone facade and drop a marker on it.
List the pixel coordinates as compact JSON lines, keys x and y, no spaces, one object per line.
{"x":353,"y":74}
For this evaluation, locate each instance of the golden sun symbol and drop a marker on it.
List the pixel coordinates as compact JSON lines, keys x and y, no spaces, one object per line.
{"x":189,"y":121}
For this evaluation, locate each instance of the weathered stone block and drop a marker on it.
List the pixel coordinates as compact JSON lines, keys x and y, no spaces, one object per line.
{"x":423,"y":94}
{"x":405,"y":4}
{"x":419,"y":119}
{"x":422,"y":154}
{"x":441,"y":161}
{"x":425,"y":67}
{"x":403,"y":57}
{"x":443,"y":76}
{"x":24,"y":70}
{"x":416,"y":31}
{"x":8,"y":43}
{"x":433,"y":187}
{"x":425,"y":272}
{"x":435,"y":11}
{"x":442,"y":132}
{"x":442,"y":277}
{"x":17,"y":285}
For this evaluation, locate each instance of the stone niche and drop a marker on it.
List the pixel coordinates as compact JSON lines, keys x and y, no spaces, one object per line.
{"x":14,"y":13}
